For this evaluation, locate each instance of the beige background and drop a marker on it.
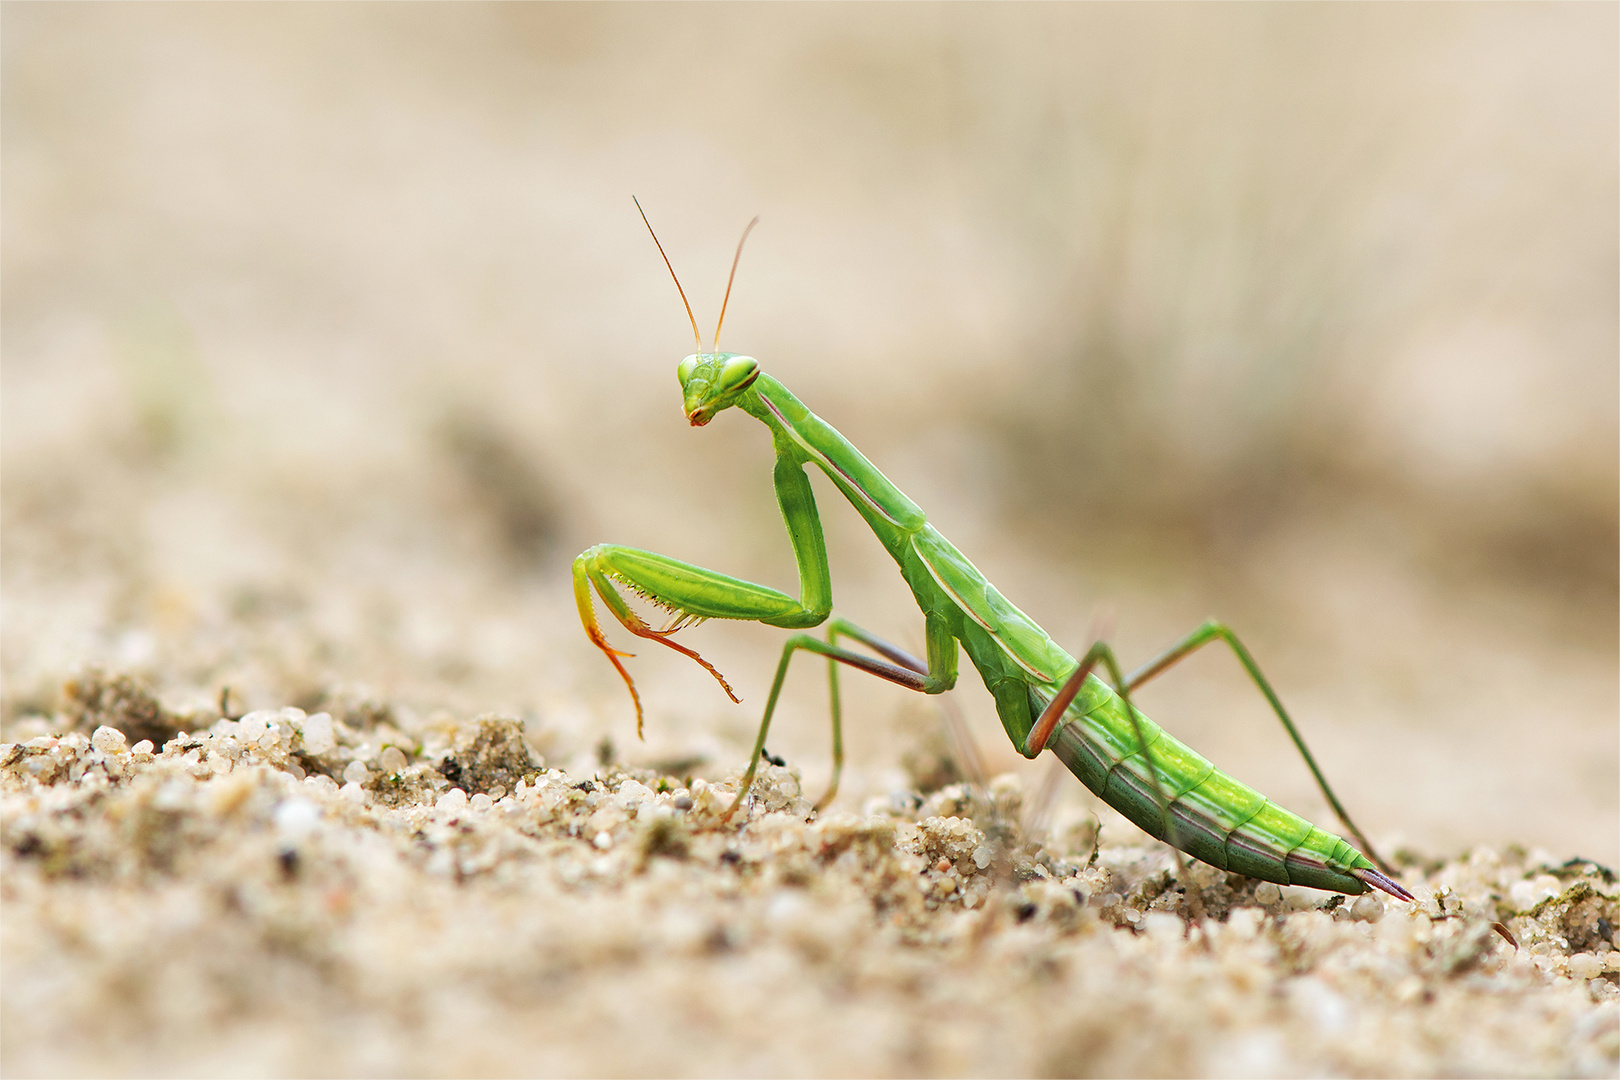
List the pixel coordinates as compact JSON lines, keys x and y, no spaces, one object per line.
{"x":330,"y":334}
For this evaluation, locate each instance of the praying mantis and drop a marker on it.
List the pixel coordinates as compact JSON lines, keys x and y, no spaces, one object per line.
{"x":1046,"y":699}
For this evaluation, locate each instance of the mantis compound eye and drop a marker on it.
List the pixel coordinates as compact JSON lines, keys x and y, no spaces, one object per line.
{"x":738,"y":373}
{"x":684,"y":372}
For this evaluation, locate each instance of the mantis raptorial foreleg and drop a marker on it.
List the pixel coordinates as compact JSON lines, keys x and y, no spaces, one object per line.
{"x":692,"y":593}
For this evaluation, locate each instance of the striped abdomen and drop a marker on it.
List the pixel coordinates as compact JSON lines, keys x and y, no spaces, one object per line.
{"x":1214,"y":818}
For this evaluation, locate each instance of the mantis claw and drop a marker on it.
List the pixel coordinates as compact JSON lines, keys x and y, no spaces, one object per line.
{"x":595,"y":634}
{"x":588,"y":573}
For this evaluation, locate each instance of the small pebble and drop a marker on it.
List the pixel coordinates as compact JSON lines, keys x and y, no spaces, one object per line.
{"x":1244,"y":923}
{"x":1585,"y":965}
{"x":1267,"y":893}
{"x":142,"y":747}
{"x":453,"y":800}
{"x":603,"y":841}
{"x":356,"y":773}
{"x":983,"y":855}
{"x":251,"y":728}
{"x":1367,"y":908}
{"x":1527,"y":894}
{"x":787,"y":908}
{"x":352,"y":792}
{"x":682,"y":802}
{"x":1164,"y":926}
{"x":392,"y":760}
{"x":482,"y":802}
{"x":318,"y":736}
{"x":296,"y":818}
{"x":1318,"y":1003}
{"x":107,"y":740}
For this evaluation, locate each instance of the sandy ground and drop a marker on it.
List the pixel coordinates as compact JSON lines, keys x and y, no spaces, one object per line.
{"x":186,"y":911}
{"x":330,"y":335}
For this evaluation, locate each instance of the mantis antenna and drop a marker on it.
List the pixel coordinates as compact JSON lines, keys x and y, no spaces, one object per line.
{"x":695,"y":335}
{"x":735,"y":259}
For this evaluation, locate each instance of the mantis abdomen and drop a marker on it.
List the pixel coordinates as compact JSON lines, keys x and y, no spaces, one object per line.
{"x":1215,"y":818}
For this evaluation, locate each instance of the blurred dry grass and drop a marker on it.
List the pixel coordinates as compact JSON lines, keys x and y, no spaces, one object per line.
{"x":330,"y":332}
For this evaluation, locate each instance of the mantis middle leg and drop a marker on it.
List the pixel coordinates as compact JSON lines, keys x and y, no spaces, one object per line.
{"x":900,"y":667}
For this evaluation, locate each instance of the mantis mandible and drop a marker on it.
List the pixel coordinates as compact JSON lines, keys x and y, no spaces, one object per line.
{"x":1045,"y":698}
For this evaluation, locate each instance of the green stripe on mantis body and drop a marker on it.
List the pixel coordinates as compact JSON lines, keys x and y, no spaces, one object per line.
{"x":1024,"y":641}
{"x":820,"y":443}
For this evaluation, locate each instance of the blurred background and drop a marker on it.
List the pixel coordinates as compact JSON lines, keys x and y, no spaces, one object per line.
{"x":330,"y":335}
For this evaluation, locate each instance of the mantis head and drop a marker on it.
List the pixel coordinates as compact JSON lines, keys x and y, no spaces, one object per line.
{"x":711,"y":382}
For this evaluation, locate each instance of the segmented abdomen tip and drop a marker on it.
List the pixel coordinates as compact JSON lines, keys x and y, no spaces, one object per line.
{"x":1379,"y":881}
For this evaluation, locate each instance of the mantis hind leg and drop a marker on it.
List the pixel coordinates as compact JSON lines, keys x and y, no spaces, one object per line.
{"x":1101,"y":655}
{"x":1213,"y":630}
{"x":898,"y":667}
{"x":1210,"y":631}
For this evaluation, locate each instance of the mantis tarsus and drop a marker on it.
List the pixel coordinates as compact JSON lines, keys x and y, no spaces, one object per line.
{"x":1046,"y":699}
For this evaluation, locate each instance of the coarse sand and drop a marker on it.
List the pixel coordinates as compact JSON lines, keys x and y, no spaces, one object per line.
{"x":296,"y":894}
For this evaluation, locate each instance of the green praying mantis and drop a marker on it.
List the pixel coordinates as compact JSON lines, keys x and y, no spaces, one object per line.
{"x":1045,"y":698}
